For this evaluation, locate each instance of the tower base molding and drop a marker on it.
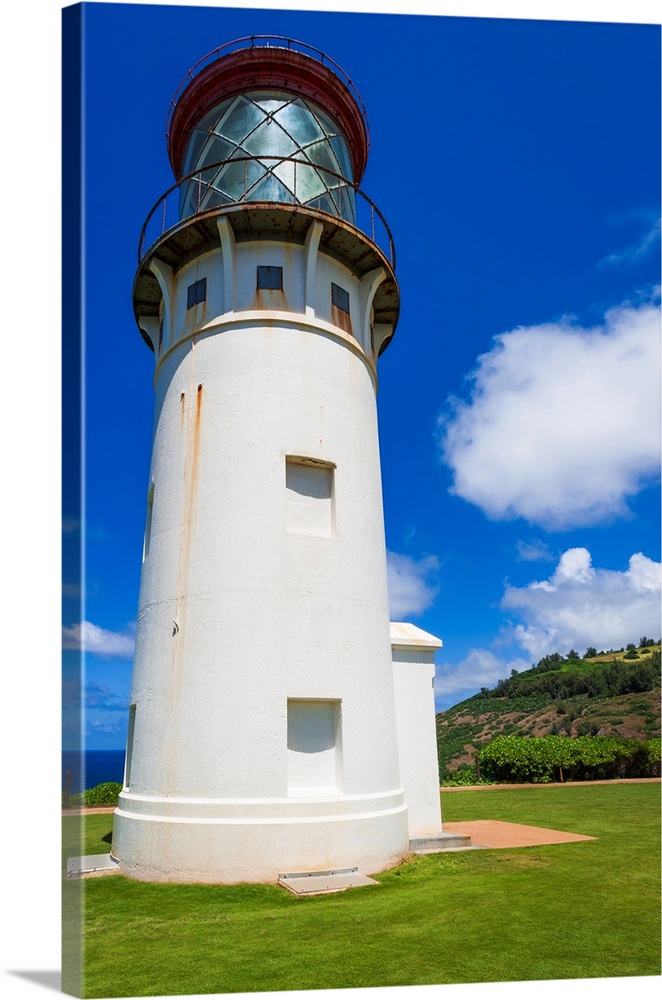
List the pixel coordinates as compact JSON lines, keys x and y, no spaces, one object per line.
{"x":317,"y":835}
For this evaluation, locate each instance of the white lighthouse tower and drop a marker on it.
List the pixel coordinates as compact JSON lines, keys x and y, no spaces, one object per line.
{"x":263,"y":734}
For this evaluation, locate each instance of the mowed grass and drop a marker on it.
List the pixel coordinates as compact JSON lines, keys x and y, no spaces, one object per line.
{"x":578,"y":910}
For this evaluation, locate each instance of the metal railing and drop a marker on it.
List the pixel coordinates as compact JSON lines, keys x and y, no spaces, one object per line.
{"x":195,"y":194}
{"x":265,"y":41}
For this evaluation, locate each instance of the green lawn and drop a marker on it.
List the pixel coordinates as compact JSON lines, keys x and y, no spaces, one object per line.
{"x":579,"y":910}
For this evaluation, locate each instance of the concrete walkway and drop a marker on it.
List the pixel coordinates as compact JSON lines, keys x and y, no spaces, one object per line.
{"x":496,"y":833}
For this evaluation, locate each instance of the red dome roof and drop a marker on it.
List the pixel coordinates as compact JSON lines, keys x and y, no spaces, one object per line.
{"x":261,"y":66}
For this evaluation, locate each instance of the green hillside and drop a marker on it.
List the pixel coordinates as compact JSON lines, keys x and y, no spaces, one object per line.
{"x":605,"y":693}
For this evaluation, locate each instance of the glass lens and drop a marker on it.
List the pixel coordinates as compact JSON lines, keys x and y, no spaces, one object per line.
{"x":321,"y":154}
{"x":237,"y":178}
{"x":309,"y":184}
{"x":207,"y":123}
{"x":286,"y":173}
{"x":215,"y":150}
{"x":270,"y":139}
{"x":270,"y":189}
{"x":196,"y":142}
{"x":299,"y":122}
{"x":241,"y":118}
{"x":339,"y":147}
{"x":265,"y":124}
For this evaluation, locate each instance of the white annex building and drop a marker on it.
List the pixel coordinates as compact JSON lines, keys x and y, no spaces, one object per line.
{"x":278,"y":722}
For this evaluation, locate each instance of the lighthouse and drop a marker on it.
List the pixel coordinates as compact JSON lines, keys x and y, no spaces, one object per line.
{"x":278,"y":722}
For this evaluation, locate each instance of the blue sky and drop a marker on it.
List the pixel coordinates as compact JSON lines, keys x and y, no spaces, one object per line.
{"x":518,"y":166}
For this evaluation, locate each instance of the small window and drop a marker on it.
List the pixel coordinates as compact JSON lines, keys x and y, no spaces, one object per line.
{"x":270,"y":278}
{"x":309,"y":497}
{"x":148,"y":522}
{"x":197,"y":292}
{"x":339,"y":297}
{"x":129,"y":746}
{"x":160,"y":335}
{"x":314,"y":754}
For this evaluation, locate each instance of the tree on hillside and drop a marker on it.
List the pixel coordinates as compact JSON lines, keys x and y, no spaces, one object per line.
{"x":590,"y":653}
{"x":573,"y":655}
{"x":551,"y":662}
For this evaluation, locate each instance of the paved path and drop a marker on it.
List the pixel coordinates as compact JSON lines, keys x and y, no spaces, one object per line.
{"x":495,"y":833}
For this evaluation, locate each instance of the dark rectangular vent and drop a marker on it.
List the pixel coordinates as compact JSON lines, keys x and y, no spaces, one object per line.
{"x":339,"y":297}
{"x":270,"y":277}
{"x":197,"y":292}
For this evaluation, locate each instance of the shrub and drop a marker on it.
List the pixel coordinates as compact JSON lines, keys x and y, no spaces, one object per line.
{"x":464,"y":775}
{"x":543,"y":759}
{"x":105,"y":794}
{"x":653,"y":758}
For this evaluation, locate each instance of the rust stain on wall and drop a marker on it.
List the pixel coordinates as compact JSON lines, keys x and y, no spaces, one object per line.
{"x":270,"y":298}
{"x":342,"y":319}
{"x":190,"y":482}
{"x":196,"y":444}
{"x":191,"y":464}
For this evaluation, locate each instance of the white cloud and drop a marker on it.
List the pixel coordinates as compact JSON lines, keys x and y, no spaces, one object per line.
{"x":581,"y":606}
{"x":480,"y":668}
{"x":98,"y":696}
{"x":574,"y":567}
{"x":533,"y":551}
{"x":93,"y":639}
{"x":576,"y":607}
{"x":411,"y":585}
{"x":644,"y":245}
{"x":563,"y":423}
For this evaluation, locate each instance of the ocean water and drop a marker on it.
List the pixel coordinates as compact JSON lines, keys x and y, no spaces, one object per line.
{"x":91,"y":768}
